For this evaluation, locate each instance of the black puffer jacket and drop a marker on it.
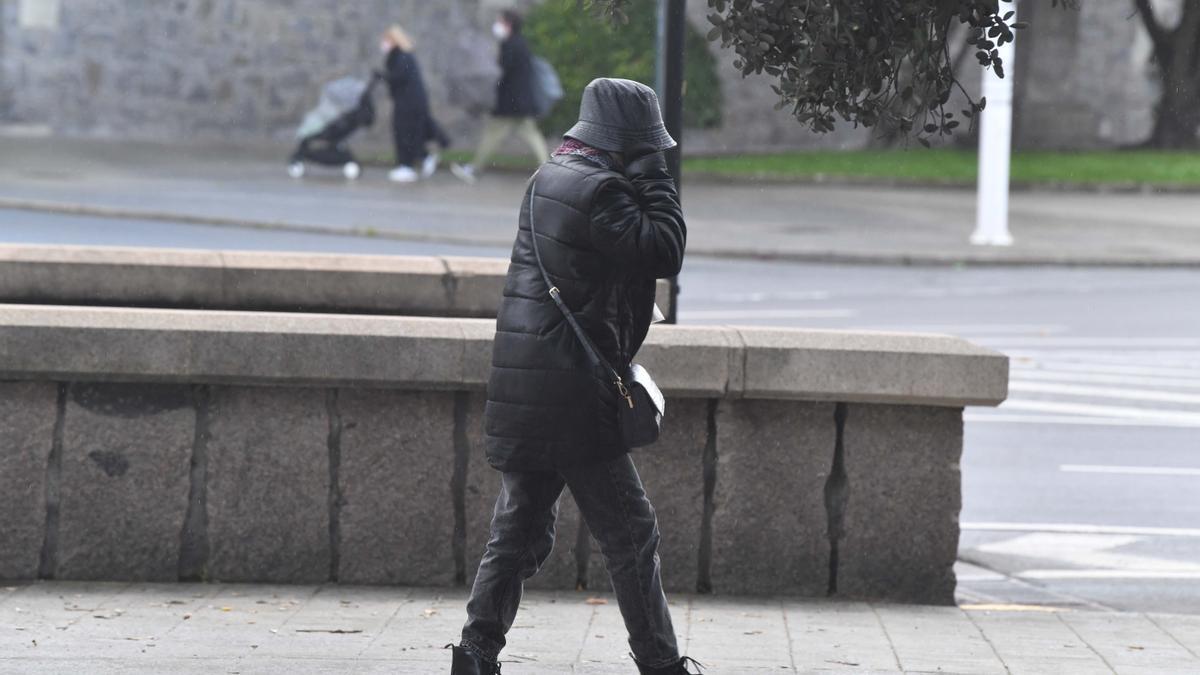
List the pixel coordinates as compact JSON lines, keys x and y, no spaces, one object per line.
{"x":514,"y":91}
{"x":604,"y":238}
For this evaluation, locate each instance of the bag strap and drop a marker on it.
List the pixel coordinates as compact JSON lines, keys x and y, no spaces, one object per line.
{"x":556,"y":295}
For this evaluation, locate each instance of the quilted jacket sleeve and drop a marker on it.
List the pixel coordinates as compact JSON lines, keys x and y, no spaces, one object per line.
{"x":638,"y":222}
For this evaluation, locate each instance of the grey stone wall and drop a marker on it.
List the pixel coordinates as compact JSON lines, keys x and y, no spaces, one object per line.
{"x":1084,"y":78}
{"x":283,"y":484}
{"x":246,"y":71}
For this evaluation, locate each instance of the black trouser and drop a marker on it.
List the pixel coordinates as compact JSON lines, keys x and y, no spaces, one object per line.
{"x":615,"y":508}
{"x":409,"y":136}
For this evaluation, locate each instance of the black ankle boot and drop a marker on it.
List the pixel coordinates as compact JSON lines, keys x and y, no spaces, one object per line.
{"x":467,"y":662}
{"x":678,"y":668}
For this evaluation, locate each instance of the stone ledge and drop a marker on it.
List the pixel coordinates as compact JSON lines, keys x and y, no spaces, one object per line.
{"x":252,"y":280}
{"x":160,"y":345}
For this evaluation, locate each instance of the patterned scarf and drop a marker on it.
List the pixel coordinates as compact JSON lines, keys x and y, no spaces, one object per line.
{"x":570,"y":146}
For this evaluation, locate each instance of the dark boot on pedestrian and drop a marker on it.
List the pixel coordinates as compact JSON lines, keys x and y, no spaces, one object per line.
{"x":678,"y":668}
{"x":467,"y":662}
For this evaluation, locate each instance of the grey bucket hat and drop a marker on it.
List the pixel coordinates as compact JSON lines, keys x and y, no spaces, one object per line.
{"x":616,"y":115}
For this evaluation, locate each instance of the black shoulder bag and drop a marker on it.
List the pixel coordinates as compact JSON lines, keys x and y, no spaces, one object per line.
{"x":641,"y":411}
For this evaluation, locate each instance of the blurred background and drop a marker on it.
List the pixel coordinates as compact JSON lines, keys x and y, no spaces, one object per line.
{"x":170,"y":124}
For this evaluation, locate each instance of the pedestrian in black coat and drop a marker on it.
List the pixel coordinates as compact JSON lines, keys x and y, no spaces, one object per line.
{"x":413,"y":127}
{"x":515,"y":110}
{"x":608,"y":224}
{"x":514,"y":91}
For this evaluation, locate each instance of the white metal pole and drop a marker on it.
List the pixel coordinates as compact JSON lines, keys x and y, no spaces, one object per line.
{"x":995,"y":148}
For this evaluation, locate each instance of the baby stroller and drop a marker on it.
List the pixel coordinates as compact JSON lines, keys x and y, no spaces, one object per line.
{"x":345,"y":107}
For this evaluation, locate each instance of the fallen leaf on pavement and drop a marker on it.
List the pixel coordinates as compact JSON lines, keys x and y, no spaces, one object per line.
{"x":596,"y":601}
{"x":429,"y":611}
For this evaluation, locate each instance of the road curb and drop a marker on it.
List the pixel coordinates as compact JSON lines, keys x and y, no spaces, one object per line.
{"x":821,"y":180}
{"x":900,"y":258}
{"x":830,"y":180}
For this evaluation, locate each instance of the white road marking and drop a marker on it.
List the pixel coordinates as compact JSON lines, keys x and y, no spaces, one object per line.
{"x":1108,"y":342}
{"x":736,"y":314}
{"x":1079,"y":528}
{"x":1104,"y":392}
{"x":1019,"y":363}
{"x":1107,"y":574}
{"x":1095,"y":410}
{"x":1001,"y":418}
{"x":763,"y":296}
{"x":1049,"y":374}
{"x":979,"y":332}
{"x":1087,"y":551}
{"x":1181,"y":363}
{"x":1130,"y":470}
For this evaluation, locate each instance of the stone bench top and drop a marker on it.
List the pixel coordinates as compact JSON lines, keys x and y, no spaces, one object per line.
{"x":165,"y":345}
{"x":255,"y":280}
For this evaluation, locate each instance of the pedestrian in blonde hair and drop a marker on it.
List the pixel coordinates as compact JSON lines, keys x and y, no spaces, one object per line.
{"x":412,"y":124}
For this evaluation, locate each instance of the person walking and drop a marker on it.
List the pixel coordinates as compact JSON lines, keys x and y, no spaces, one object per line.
{"x":515,"y":108}
{"x":413,"y":127}
{"x":608,"y":223}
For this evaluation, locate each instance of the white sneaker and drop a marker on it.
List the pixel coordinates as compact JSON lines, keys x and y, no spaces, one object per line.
{"x":429,"y":165}
{"x":464,"y":172}
{"x":296,"y":169}
{"x":351,"y":170}
{"x":403,"y":174}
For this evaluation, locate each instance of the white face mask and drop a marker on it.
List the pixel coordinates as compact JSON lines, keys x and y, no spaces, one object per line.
{"x":385,"y":46}
{"x":500,"y":30}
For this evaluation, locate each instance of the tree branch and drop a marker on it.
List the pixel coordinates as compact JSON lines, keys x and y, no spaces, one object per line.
{"x":1158,"y":35}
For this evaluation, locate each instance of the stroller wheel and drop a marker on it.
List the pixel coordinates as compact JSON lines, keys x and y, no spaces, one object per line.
{"x":296,"y":169}
{"x":351,"y":170}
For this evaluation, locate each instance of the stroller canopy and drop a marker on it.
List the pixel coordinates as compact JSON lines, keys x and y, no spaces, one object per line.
{"x":337,"y":97}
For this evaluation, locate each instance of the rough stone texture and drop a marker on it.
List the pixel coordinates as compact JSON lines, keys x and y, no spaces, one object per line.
{"x":27,"y":412}
{"x":1085,"y":78}
{"x":875,"y":367}
{"x":199,"y":69}
{"x":99,"y":275}
{"x":243,"y":347}
{"x":396,"y":519}
{"x":222,"y":70}
{"x":477,"y":285}
{"x":126,"y":452}
{"x":432,"y":353}
{"x":256,"y":281}
{"x":228,"y":70}
{"x":672,"y":472}
{"x":671,"y":353}
{"x":769,"y":524}
{"x":306,"y":282}
{"x":902,"y":468}
{"x":268,"y":485}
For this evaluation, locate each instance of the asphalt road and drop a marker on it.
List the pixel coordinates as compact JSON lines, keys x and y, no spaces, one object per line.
{"x":1080,"y":490}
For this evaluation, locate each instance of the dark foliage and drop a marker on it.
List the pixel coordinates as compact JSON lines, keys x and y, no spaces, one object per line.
{"x":868,"y":63}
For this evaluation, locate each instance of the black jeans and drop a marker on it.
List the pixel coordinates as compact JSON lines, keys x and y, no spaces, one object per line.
{"x":615,"y":508}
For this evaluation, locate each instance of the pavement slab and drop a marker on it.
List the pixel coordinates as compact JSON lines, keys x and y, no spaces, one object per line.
{"x":56,"y":627}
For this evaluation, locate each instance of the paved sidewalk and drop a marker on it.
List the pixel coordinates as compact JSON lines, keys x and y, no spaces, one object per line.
{"x":797,"y":222}
{"x":80,"y":627}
